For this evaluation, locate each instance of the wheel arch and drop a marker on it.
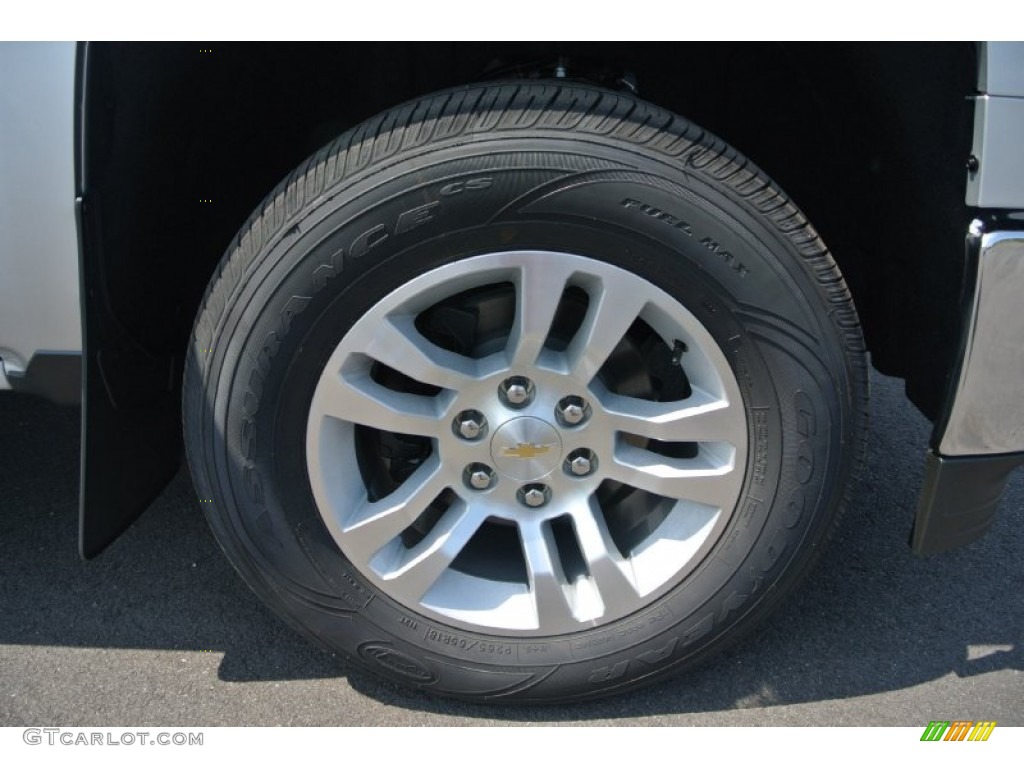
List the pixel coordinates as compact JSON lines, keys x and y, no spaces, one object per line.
{"x":177,"y":143}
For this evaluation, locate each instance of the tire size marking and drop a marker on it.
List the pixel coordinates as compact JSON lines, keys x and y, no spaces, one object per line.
{"x":478,"y":647}
{"x":681,"y":225}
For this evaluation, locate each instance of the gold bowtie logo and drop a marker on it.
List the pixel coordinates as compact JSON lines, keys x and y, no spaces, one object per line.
{"x":526,"y":450}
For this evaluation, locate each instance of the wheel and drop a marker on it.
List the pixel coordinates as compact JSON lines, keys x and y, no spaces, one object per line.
{"x":525,"y":392}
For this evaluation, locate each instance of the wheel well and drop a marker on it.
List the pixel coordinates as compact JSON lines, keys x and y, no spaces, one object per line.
{"x":179,"y":142}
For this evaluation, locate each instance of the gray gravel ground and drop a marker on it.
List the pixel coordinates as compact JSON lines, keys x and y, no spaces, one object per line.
{"x":159,"y":631}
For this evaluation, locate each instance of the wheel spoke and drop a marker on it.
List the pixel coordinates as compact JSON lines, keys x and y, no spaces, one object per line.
{"x":610,"y":572}
{"x":355,"y":397}
{"x":701,"y":479}
{"x":540,"y":286}
{"x":609,"y":316}
{"x":420,"y":567}
{"x":700,"y":418}
{"x":398,"y":344}
{"x":374,"y":524}
{"x":547,"y":579}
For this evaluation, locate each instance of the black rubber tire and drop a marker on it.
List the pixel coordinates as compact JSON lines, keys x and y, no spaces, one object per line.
{"x":503,"y":166}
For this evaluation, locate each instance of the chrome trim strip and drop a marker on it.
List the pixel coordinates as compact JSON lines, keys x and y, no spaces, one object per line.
{"x":987,"y":411}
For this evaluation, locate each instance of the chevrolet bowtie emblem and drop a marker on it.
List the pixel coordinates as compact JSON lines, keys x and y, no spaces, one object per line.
{"x":526,"y":450}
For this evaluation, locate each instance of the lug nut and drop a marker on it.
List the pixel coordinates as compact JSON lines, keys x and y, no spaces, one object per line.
{"x":580,"y":462}
{"x":572,"y":410}
{"x":479,"y":477}
{"x":534,"y":494}
{"x":516,"y":394}
{"x":470,"y":425}
{"x":516,"y":391}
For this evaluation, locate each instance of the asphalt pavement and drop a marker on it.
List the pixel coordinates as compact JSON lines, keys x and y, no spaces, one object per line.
{"x":159,"y":631}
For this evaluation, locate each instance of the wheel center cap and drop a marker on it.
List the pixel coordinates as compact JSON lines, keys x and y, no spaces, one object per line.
{"x":526,"y":449}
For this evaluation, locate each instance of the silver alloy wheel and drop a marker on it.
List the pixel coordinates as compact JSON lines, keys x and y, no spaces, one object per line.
{"x":527,"y":445}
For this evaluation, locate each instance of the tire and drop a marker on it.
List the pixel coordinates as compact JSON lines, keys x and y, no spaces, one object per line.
{"x":375,"y":398}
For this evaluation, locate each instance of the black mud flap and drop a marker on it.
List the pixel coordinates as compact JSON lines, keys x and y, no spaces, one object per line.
{"x":131,"y":412}
{"x":131,"y":422}
{"x":959,"y":499}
